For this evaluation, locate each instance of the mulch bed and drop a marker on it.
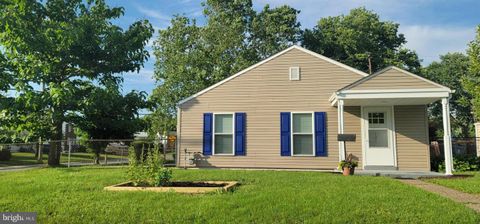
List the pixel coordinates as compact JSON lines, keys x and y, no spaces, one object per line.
{"x":180,"y":184}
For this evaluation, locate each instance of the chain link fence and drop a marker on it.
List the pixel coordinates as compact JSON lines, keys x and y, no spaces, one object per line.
{"x":79,"y":152}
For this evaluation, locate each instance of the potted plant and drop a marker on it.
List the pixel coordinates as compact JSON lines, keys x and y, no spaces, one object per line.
{"x":348,"y":165}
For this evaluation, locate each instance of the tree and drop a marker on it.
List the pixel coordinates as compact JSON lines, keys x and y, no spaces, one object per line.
{"x":65,"y":46}
{"x":273,"y":30}
{"x":472,"y":82}
{"x":191,"y":57}
{"x":359,"y":39}
{"x":449,"y":71}
{"x":107,"y":114}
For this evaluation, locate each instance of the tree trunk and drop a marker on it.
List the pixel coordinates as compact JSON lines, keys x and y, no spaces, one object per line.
{"x":55,"y":147}
{"x":97,"y":157}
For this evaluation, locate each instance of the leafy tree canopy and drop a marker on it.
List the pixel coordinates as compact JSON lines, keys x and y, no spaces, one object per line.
{"x":192,"y":57}
{"x":472,"y":82}
{"x":107,"y":114}
{"x":64,"y":45}
{"x":354,"y":38}
{"x":450,"y":71}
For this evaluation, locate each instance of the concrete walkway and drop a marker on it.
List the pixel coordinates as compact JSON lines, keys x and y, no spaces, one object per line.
{"x":470,"y":200}
{"x":22,"y":167}
{"x":398,"y":174}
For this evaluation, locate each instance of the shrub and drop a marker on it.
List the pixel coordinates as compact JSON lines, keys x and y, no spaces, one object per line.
{"x":463,"y":164}
{"x":163,"y":177}
{"x":147,"y":168}
{"x":5,"y":154}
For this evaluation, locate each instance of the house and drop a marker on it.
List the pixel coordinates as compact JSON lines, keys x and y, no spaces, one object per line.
{"x":286,"y":111}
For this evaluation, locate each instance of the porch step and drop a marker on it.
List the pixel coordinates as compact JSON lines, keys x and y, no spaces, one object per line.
{"x":380,"y":168}
{"x":399,"y":174}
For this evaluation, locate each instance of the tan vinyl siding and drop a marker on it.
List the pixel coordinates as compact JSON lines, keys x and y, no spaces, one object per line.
{"x":263,"y":93}
{"x":353,"y":125}
{"x":412,"y":138}
{"x":393,"y":79}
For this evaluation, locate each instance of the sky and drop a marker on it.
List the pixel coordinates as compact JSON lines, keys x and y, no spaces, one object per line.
{"x":431,"y":27}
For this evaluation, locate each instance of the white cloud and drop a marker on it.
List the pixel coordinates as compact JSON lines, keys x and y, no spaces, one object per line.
{"x":431,"y":42}
{"x":145,"y":76}
{"x":428,"y":40}
{"x":313,"y":10}
{"x":152,"y":13}
{"x":158,"y":19}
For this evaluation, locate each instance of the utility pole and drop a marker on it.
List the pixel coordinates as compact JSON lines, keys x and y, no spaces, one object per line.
{"x":40,"y":149}
{"x":369,"y":64}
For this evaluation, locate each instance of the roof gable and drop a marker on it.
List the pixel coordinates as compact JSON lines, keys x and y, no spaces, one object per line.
{"x":392,"y":78}
{"x":269,"y":59}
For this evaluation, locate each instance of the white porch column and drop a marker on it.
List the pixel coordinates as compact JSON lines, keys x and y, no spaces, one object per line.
{"x":341,"y":145}
{"x":447,"y":138}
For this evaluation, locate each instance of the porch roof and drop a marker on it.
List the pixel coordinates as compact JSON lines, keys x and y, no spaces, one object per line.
{"x":390,"y":86}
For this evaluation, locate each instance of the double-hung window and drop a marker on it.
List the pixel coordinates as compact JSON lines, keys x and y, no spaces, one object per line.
{"x":302,"y":134}
{"x":223,"y":129}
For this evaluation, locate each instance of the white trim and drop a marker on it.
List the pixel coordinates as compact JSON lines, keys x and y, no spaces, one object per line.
{"x":313,"y":132}
{"x":363,"y":80}
{"x":382,"y":95}
{"x":290,"y":73}
{"x":333,"y":97}
{"x":267,"y":60}
{"x":395,"y":90}
{"x":362,"y":128}
{"x":387,"y":94}
{"x":447,"y":138}
{"x":341,"y":124}
{"x":394,"y":137}
{"x":177,"y":141}
{"x":391,"y":132}
{"x":233,"y":134}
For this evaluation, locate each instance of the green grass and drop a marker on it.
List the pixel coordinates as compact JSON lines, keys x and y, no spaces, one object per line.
{"x":27,"y":158}
{"x":468,"y":185}
{"x":76,"y":195}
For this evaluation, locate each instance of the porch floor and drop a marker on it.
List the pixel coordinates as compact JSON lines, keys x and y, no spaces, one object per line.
{"x":399,"y":174}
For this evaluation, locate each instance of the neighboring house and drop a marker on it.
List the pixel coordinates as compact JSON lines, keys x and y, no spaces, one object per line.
{"x":141,"y":135}
{"x":286,"y":112}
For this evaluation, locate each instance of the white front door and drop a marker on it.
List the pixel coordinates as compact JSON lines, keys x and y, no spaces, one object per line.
{"x":378,"y":136}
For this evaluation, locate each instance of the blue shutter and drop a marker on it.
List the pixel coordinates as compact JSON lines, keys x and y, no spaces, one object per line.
{"x":207,"y":133}
{"x":240,"y":131}
{"x":320,"y":134}
{"x":285,"y":134}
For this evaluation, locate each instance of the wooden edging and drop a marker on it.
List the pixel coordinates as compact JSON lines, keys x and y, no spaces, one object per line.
{"x":186,"y":190}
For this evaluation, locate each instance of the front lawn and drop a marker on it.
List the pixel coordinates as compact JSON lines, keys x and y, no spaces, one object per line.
{"x":28,"y":158}
{"x":468,"y":185}
{"x":76,"y":195}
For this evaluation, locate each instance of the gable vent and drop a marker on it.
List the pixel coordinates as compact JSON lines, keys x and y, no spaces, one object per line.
{"x":294,"y":73}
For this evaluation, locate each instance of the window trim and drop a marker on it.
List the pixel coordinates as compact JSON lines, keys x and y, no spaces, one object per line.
{"x":233,"y":134}
{"x":377,"y":127}
{"x":290,"y":73}
{"x":312,"y":133}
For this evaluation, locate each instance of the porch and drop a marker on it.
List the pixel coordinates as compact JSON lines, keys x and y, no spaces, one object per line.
{"x":379,"y":95}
